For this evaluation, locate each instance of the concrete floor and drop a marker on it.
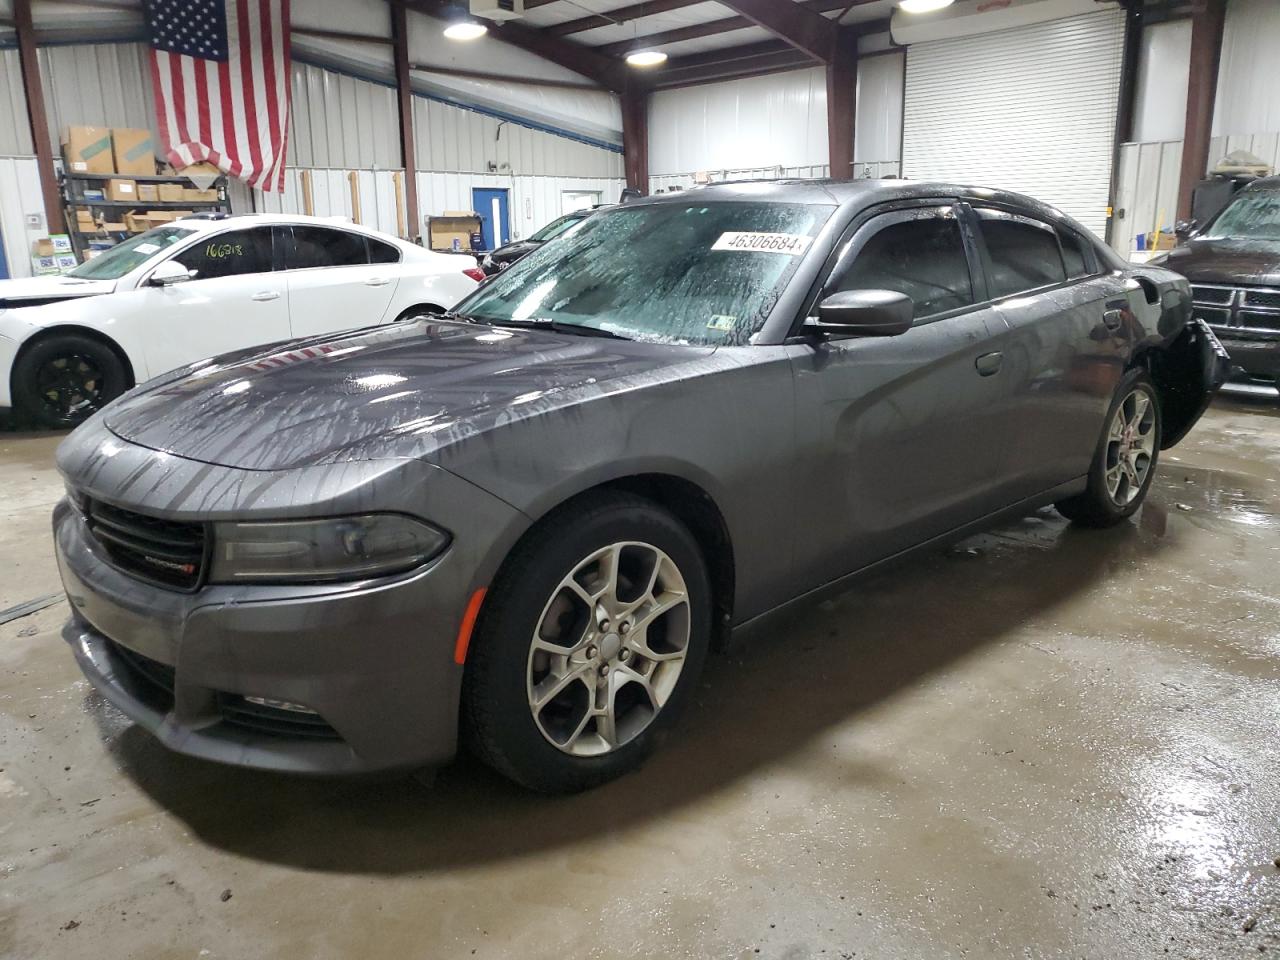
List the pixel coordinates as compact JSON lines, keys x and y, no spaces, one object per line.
{"x":1045,"y":743}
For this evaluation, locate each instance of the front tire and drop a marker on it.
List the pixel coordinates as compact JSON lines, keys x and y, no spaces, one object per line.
{"x":63,"y":380}
{"x":1125,"y":461}
{"x":589,"y":644}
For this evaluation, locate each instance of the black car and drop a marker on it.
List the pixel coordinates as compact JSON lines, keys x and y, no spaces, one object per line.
{"x":503,"y":257}
{"x":1233,"y":264}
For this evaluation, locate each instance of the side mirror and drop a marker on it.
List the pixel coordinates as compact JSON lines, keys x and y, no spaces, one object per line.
{"x":863,"y":313}
{"x":1185,"y":229}
{"x":169,"y":272}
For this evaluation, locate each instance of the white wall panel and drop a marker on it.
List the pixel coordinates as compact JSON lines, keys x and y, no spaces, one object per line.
{"x":534,"y":201}
{"x":757,"y":122}
{"x":15,"y":127}
{"x":1248,"y":83}
{"x":342,"y":121}
{"x":101,"y":84}
{"x":1160,"y":102}
{"x":449,"y":138}
{"x":1037,"y":114}
{"x":685,"y":181}
{"x":877,"y":138}
{"x":19,"y":196}
{"x":330,"y":197}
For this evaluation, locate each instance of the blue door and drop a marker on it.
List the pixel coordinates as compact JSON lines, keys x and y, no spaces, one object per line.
{"x":491,"y":205}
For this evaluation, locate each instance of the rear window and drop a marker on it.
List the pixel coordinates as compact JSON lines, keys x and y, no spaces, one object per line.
{"x":1023,"y":253}
{"x":323,"y":247}
{"x":1073,"y":255}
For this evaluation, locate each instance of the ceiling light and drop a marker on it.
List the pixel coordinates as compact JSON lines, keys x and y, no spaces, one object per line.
{"x":646,"y":58}
{"x":465,"y":30}
{"x":923,"y":6}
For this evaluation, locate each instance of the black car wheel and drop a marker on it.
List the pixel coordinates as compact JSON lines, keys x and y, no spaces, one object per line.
{"x":589,"y":644}
{"x":63,"y":380}
{"x":1125,"y":461}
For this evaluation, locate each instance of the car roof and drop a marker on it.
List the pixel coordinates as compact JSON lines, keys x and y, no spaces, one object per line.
{"x":852,"y":193}
{"x":241,"y":220}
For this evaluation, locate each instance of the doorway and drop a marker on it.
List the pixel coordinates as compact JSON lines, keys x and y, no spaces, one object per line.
{"x":490,"y":205}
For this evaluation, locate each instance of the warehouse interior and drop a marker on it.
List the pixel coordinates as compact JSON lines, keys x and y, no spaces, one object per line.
{"x":1037,"y":741}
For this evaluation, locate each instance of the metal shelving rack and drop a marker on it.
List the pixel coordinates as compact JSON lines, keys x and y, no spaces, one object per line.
{"x":73,"y":198}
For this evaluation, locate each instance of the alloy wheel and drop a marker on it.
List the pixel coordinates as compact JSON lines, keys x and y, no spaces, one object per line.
{"x":70,"y":386}
{"x":608,"y":648}
{"x":1131,"y":445}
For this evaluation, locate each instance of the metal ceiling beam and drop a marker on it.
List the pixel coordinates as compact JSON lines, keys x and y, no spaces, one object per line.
{"x":805,"y":29}
{"x":621,"y":15}
{"x":842,"y":89}
{"x":713,"y":27}
{"x":605,"y":71}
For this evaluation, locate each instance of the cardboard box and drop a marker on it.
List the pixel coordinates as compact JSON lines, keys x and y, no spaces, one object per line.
{"x":120,"y":189}
{"x":201,"y":170}
{"x":171,"y":192}
{"x":199,"y":196}
{"x":114,"y":226}
{"x":136,"y":223}
{"x":43,"y":266}
{"x":65,"y":262}
{"x":133,"y":151}
{"x":443,"y":231}
{"x":148,"y":193}
{"x":88,"y":150}
{"x":51,"y":246}
{"x":85,"y":221}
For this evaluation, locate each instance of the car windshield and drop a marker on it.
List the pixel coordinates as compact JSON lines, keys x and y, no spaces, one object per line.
{"x":115,"y":263}
{"x":1253,"y":215}
{"x":557,"y":227}
{"x":680,"y":272}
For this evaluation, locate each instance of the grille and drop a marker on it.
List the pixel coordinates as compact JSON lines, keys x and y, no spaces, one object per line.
{"x":152,"y":681}
{"x":1202,"y":294}
{"x":1262,"y":298}
{"x":1253,"y":320}
{"x":274,"y":720}
{"x":1214,"y":316}
{"x":165,"y":552}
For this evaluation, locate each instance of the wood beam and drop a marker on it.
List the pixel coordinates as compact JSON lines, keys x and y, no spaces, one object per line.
{"x":713,"y":27}
{"x":39,"y":120}
{"x":404,"y":96}
{"x":635,"y":138}
{"x":805,"y":29}
{"x":1207,"y":20}
{"x":607,"y":72}
{"x":842,"y":89}
{"x":648,"y":8}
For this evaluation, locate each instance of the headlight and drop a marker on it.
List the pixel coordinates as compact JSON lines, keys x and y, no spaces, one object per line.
{"x":343,"y":548}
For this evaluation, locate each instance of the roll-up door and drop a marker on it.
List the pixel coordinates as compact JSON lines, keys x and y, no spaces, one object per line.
{"x":1030,"y":109}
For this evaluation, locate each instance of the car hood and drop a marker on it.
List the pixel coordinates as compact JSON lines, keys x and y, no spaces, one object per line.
{"x":41,"y":290}
{"x":403,"y":390}
{"x":1228,"y":262}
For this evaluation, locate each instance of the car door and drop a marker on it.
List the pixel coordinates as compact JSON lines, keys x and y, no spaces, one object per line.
{"x":1067,"y":347}
{"x":332,"y":283}
{"x":232,"y":301}
{"x":898,"y":436}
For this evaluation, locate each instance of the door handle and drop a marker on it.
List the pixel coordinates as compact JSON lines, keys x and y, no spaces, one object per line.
{"x":989,"y":363}
{"x":376,"y":282}
{"x":264,"y":295}
{"x":1113,"y":318}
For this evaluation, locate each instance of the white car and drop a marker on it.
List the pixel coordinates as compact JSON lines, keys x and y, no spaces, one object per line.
{"x":199,"y":287}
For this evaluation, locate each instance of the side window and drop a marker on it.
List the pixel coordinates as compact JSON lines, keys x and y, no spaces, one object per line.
{"x":1073,"y":255}
{"x":231,"y":254}
{"x":380,"y":252}
{"x":1023,"y":253}
{"x":323,"y":247}
{"x":922,"y":257}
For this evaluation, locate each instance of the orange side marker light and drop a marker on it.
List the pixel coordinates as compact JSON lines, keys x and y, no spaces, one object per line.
{"x":468,"y":624}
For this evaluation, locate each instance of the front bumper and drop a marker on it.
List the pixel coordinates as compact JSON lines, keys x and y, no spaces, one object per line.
{"x":373,"y":660}
{"x":1256,"y":357}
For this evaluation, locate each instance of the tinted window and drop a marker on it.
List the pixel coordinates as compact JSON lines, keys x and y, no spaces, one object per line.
{"x":230,"y":254}
{"x":557,"y":227}
{"x":1073,"y":255}
{"x":1024,"y":253}
{"x":923,"y":258}
{"x":322,"y":247}
{"x":380,"y":252}
{"x":680,"y":272}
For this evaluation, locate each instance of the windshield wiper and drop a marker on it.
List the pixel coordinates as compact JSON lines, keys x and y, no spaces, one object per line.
{"x":561,"y":326}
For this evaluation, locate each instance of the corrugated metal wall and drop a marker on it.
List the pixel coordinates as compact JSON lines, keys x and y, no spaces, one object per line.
{"x":341,"y":121}
{"x":15,"y":128}
{"x":101,"y":84}
{"x":534,"y":201}
{"x":1146,"y":190}
{"x":449,"y":138}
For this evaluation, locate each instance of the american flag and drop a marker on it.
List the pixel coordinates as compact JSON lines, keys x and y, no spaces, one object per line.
{"x":220,"y":70}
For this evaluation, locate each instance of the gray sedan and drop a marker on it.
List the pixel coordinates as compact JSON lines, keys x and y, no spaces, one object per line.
{"x":524,"y":524}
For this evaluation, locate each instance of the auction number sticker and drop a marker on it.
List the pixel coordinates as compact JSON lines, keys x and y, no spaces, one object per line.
{"x":792,"y":244}
{"x":147,"y":247}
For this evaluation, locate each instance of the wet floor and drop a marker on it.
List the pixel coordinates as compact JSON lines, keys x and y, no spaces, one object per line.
{"x":1045,"y":742}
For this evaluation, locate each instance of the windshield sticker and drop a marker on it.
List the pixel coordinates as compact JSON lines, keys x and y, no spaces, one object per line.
{"x":721,"y":321}
{"x":147,"y":247}
{"x":792,"y":244}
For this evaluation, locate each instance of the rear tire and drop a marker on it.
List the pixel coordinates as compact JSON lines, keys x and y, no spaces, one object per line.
{"x":1125,"y":461}
{"x":571,"y":682}
{"x":63,"y":380}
